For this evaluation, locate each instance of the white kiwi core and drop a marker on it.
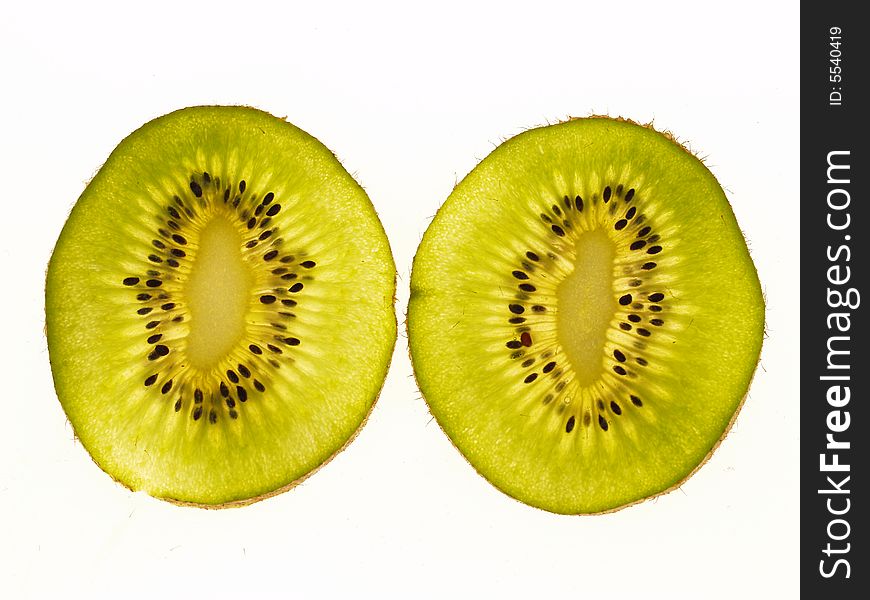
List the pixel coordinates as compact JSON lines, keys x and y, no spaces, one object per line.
{"x":218,"y":293}
{"x":586,"y":305}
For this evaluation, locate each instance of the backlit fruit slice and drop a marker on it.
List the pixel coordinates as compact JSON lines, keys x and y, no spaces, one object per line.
{"x":219,"y":308}
{"x":585,"y":318}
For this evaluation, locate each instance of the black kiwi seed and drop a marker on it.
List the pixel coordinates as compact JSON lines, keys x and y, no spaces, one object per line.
{"x":131,"y":281}
{"x":625,"y":300}
{"x":615,"y":408}
{"x":569,"y":426}
{"x":602,"y":422}
{"x":308,"y":264}
{"x":530,"y":378}
{"x":656,"y":297}
{"x":196,"y":189}
{"x":231,"y":375}
{"x":270,"y":255}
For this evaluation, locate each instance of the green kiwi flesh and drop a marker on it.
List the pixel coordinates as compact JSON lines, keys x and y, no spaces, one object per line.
{"x":585,"y":318}
{"x":219,"y":308}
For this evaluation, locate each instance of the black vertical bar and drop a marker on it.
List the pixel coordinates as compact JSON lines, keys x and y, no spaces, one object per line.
{"x":834,"y":370}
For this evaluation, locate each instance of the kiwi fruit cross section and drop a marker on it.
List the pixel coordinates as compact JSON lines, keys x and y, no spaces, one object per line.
{"x":219,"y":308}
{"x":585,"y":318}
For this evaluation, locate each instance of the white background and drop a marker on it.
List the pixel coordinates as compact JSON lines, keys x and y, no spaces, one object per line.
{"x":409,"y":99}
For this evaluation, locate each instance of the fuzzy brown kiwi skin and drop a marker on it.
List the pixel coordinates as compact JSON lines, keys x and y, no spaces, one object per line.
{"x":282,"y":489}
{"x":709,"y":454}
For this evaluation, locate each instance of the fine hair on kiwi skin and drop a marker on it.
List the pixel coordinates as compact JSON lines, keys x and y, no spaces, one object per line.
{"x":581,"y":192}
{"x":240,"y":305}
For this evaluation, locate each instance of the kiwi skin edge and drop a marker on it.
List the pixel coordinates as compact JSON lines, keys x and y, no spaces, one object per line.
{"x":678,"y":484}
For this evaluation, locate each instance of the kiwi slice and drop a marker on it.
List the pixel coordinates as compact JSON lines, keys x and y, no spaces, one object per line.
{"x":219,"y":308}
{"x":585,"y":317}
